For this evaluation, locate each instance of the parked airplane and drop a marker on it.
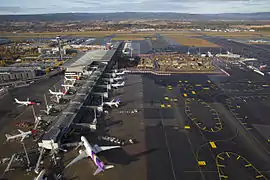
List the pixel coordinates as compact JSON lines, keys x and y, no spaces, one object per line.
{"x":26,"y":103}
{"x":120,"y":73}
{"x":58,"y":93}
{"x":71,"y":79}
{"x":118,"y":78}
{"x":90,"y":151}
{"x":22,"y":135}
{"x":209,"y":54}
{"x":41,"y":175}
{"x":112,"y":103}
{"x":116,"y":85}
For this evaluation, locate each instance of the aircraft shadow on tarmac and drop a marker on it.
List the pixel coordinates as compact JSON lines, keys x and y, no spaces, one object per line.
{"x":109,"y":123}
{"x":120,"y":156}
{"x":126,"y":103}
{"x":118,"y":93}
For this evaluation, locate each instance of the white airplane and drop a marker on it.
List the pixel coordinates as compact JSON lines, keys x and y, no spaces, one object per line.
{"x":68,"y":85}
{"x":26,"y":103}
{"x":117,"y":85}
{"x":118,"y":78}
{"x":22,"y":135}
{"x":120,"y":73}
{"x":209,"y":54}
{"x":111,"y":103}
{"x":117,"y":73}
{"x":41,"y":175}
{"x":58,"y":93}
{"x":71,"y":79}
{"x":90,"y":151}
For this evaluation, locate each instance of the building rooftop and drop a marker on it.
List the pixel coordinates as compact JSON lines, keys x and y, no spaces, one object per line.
{"x":17,"y":69}
{"x":89,"y":57}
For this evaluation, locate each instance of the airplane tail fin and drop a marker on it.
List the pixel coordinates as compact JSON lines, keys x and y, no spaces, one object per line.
{"x":118,"y":100}
{"x":8,"y":136}
{"x":64,"y":92}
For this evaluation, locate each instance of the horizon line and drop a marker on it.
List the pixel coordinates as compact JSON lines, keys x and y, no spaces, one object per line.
{"x":129,"y":12}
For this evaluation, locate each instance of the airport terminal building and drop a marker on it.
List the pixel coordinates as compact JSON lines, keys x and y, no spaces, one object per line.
{"x":102,"y":59}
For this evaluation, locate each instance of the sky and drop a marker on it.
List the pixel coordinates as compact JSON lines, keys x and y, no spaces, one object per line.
{"x":103,"y":6}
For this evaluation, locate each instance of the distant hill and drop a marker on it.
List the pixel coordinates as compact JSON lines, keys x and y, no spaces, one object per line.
{"x":134,"y":15}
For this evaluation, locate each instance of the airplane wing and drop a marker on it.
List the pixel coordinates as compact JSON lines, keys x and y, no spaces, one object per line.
{"x":116,"y":104}
{"x":98,"y":149}
{"x":97,"y":171}
{"x":23,"y":137}
{"x":82,"y":155}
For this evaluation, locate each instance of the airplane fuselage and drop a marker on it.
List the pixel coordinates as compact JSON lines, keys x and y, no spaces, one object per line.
{"x":25,"y":102}
{"x":57,"y":93}
{"x":118,"y":85}
{"x":111,"y":104}
{"x":23,"y":135}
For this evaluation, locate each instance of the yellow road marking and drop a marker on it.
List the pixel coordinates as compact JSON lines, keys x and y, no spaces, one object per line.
{"x":166,"y":98}
{"x":213,"y":145}
{"x":162,"y":105}
{"x":238,"y":157}
{"x":228,"y":154}
{"x":204,"y":128}
{"x":187,"y":127}
{"x":223,"y":176}
{"x":259,"y":176}
{"x":185,"y":95}
{"x":193,"y":92}
{"x":206,"y":88}
{"x":168,"y":105}
{"x":248,"y":165}
{"x":212,"y":129}
{"x":220,"y":165}
{"x":220,"y":157}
